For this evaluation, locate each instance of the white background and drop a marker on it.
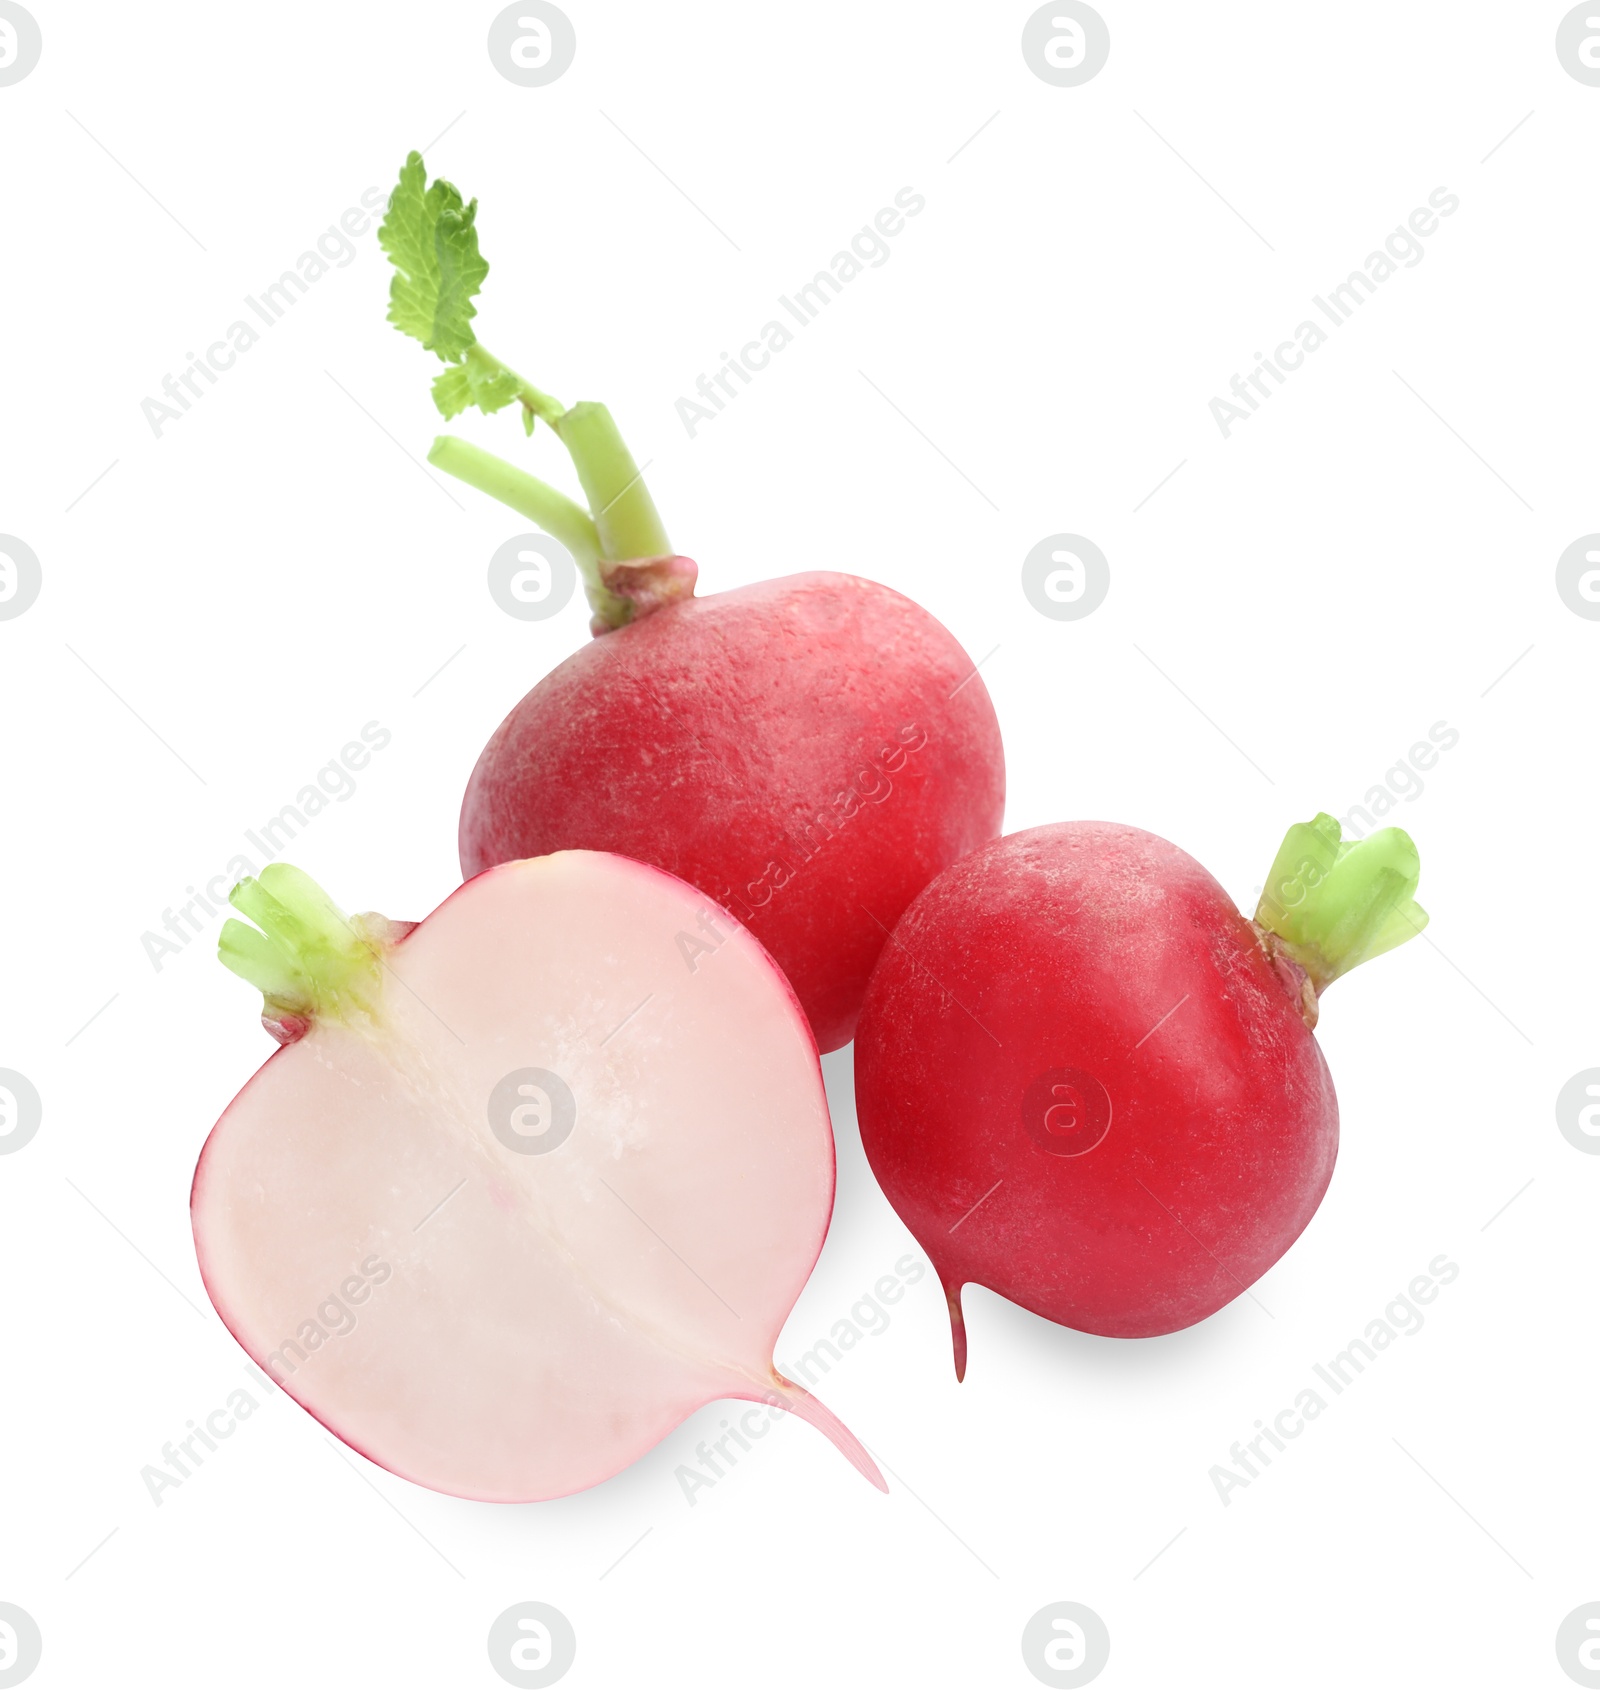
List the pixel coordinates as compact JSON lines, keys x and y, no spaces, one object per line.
{"x":231,"y":601}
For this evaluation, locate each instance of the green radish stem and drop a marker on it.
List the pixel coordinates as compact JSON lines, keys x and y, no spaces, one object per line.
{"x":431,"y":238}
{"x":621,"y":524}
{"x":304,"y":955}
{"x":1335,"y":903}
{"x":526,"y":494}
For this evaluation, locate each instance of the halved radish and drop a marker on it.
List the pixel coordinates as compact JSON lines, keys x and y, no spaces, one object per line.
{"x":531,"y":1181}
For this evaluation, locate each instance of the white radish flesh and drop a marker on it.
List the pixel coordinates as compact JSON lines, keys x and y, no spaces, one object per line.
{"x":549,"y":1311}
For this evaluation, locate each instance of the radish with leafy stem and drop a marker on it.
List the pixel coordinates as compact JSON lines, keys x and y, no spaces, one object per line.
{"x":809,"y":751}
{"x":520,"y":1192}
{"x":1086,"y":1081}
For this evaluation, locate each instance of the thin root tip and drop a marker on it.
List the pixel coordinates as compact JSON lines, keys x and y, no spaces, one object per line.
{"x":800,"y":1401}
{"x":958,"y":1330}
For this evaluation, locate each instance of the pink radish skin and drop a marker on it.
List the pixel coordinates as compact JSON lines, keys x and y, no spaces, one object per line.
{"x":809,"y":752}
{"x":526,"y":1325}
{"x":1085,"y":1080}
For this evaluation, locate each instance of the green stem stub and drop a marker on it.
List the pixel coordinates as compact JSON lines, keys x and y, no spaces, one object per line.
{"x":307,"y":958}
{"x":1334,"y":903}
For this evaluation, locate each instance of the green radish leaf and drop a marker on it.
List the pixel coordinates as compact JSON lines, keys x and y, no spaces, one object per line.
{"x":452,"y":391}
{"x":478,"y":381}
{"x":493,"y":385}
{"x":432,"y":241}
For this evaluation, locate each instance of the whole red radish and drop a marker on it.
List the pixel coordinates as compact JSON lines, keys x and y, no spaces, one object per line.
{"x":1086,"y":1081}
{"x":809,"y":752}
{"x":521,"y":1191}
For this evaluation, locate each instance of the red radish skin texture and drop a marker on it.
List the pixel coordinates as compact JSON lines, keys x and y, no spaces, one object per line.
{"x":1106,"y":951}
{"x":704,"y":737}
{"x":545,"y":1318}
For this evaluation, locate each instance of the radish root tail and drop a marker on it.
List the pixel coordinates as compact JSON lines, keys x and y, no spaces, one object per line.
{"x":797,"y":1400}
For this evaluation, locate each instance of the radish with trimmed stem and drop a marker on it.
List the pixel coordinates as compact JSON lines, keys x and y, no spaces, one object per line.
{"x":1086,"y":1081}
{"x":521,"y":1191}
{"x":809,"y":751}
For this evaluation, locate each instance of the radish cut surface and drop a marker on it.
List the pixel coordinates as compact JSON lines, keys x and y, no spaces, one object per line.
{"x":544,"y":1181}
